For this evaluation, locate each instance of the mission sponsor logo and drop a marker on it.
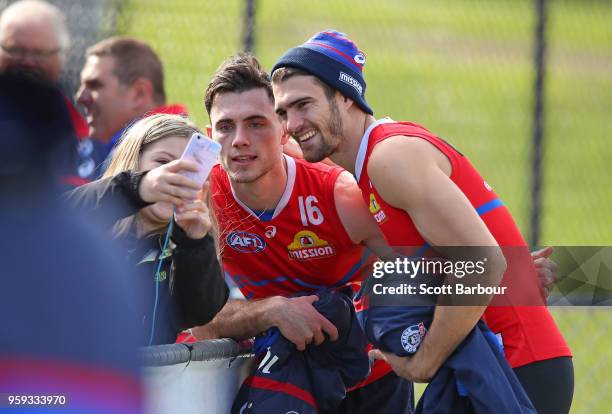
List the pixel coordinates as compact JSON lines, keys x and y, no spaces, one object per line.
{"x":377,"y":212}
{"x":245,"y":242}
{"x":307,"y":245}
{"x":349,"y":80}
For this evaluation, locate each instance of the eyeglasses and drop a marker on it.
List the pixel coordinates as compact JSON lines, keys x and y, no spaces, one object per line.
{"x":36,"y":54}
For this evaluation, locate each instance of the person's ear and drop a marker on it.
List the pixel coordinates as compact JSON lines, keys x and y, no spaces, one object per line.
{"x":285,"y":136}
{"x":343,"y":101}
{"x":142,"y":94}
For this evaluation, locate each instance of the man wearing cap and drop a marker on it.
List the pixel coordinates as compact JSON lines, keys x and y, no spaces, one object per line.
{"x":422,"y":192}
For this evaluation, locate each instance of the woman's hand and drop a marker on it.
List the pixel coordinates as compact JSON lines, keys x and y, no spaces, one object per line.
{"x":165,"y":183}
{"x":193,"y":217}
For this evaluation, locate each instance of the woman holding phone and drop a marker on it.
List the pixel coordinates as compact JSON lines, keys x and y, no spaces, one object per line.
{"x":161,"y":217}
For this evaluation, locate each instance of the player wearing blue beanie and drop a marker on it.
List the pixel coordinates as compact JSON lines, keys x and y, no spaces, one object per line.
{"x":336,"y":60}
{"x":421,"y":192}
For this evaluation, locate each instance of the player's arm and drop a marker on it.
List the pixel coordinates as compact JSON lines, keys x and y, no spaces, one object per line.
{"x":126,"y":193}
{"x":242,"y":319}
{"x":296,"y":318}
{"x":356,"y":218}
{"x":444,"y":217}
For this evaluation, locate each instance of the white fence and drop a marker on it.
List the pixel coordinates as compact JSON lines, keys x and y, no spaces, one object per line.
{"x":200,"y":377}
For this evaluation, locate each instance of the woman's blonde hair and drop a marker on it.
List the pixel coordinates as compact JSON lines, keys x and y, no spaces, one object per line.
{"x":126,"y":154}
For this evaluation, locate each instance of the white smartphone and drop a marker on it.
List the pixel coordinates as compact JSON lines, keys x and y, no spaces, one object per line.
{"x":204,"y":152}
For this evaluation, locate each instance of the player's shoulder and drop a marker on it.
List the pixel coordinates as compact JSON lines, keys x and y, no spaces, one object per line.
{"x":393,"y":151}
{"x":217,"y":168}
{"x":317,"y":176}
{"x":400,"y":165}
{"x":218,"y":176}
{"x":399,"y":128}
{"x":217,"y":173}
{"x":404,"y":150}
{"x":316,"y":169}
{"x":399,"y":136}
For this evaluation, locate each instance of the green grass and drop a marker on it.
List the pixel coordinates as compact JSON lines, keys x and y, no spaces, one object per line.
{"x":463,"y":69}
{"x":587,"y":331}
{"x":192,"y":38}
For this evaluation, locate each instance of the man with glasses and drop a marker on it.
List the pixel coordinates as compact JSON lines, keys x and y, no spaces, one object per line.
{"x":34,"y":42}
{"x":33,"y":39}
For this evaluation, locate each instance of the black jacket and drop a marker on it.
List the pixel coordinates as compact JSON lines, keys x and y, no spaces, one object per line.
{"x":191,"y":288}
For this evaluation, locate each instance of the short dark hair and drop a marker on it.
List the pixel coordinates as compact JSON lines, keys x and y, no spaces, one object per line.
{"x":239,"y":73}
{"x":133,"y":59}
{"x":286,"y":72}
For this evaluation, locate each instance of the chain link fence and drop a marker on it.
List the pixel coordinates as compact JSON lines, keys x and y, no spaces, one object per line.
{"x":578,"y":130}
{"x":464,"y":69}
{"x":192,"y":39}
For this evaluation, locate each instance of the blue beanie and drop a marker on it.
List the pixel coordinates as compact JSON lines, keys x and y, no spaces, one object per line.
{"x":333,"y":58}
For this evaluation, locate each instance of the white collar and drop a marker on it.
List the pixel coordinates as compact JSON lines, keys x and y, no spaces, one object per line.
{"x":363,"y":145}
{"x":286,"y":194}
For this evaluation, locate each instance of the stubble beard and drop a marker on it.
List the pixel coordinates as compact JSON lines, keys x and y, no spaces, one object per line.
{"x":240,"y":178}
{"x":333,"y":134}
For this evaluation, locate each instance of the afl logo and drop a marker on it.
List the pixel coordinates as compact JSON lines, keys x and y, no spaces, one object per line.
{"x":360,"y":58}
{"x":245,"y":242}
